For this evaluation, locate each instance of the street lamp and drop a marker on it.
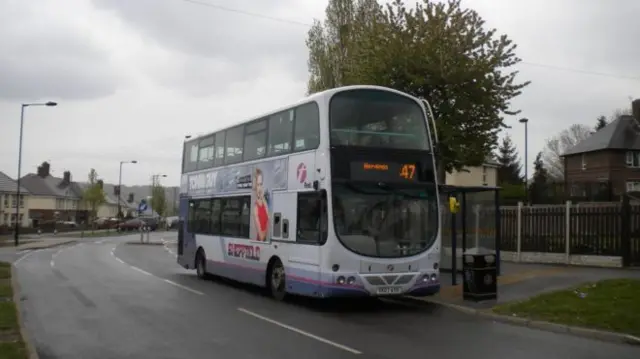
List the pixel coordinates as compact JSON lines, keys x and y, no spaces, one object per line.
{"x":120,"y":188}
{"x":16,"y":233}
{"x":526,"y":155}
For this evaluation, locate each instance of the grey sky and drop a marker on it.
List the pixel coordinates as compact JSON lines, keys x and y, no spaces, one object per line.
{"x":133,"y":77}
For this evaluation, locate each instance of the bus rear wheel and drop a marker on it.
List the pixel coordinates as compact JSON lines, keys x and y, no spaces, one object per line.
{"x":277,"y":280}
{"x":201,"y":264}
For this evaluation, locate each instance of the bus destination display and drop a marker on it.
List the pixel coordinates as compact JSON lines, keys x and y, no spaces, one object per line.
{"x":384,"y":171}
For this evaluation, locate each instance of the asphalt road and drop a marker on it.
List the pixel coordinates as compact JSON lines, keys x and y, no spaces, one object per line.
{"x":110,"y":299}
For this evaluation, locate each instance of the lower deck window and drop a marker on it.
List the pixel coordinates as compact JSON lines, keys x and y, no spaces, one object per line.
{"x":227,"y":216}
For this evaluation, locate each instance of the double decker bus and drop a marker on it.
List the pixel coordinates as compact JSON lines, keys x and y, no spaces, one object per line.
{"x":333,"y":196}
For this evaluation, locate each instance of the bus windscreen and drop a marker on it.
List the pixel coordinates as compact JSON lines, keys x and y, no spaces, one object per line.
{"x":377,"y":118}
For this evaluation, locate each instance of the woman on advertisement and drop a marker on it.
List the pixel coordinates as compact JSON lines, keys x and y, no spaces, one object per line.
{"x":260,"y":207}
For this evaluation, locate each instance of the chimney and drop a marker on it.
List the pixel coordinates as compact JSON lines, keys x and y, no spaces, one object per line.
{"x":66,"y":177}
{"x":44,"y":169}
{"x":635,"y":109}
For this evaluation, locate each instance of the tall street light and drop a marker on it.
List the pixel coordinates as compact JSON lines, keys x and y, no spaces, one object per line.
{"x":526,"y":159}
{"x":120,"y":188}
{"x":16,"y":233}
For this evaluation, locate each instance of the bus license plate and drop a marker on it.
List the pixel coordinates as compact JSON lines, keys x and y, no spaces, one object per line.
{"x":389,"y":290}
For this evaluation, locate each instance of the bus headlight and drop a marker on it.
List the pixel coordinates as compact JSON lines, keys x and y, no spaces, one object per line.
{"x":434,"y":277}
{"x":341,"y":280}
{"x":351,"y":280}
{"x":425,"y":278}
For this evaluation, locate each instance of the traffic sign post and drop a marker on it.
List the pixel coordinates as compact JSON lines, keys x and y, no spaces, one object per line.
{"x":142,"y":206}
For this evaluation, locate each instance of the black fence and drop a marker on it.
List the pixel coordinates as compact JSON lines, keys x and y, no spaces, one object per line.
{"x":597,"y":229}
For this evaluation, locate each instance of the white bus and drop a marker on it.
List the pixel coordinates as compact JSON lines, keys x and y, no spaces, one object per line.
{"x":335,"y":195}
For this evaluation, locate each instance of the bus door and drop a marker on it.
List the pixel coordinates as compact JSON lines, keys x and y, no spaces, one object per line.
{"x":310,"y":228}
{"x":186,"y":240}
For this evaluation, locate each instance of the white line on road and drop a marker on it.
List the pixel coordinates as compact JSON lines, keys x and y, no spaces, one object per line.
{"x":183,"y":287}
{"x":23,"y":257}
{"x":141,"y":270}
{"x":300,"y":331}
{"x":152,"y":275}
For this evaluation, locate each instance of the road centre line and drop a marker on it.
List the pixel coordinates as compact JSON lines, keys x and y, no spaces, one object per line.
{"x":152,"y":275}
{"x":300,"y":331}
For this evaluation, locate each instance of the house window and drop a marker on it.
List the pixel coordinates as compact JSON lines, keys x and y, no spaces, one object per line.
{"x":14,"y":201}
{"x":484,"y":176}
{"x":633,"y":186}
{"x":632,"y":159}
{"x":21,"y":201}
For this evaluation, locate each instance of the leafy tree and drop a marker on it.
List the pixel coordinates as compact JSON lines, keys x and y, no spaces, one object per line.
{"x":158,"y":197}
{"x":93,"y":194}
{"x":510,"y":167}
{"x":602,"y":123}
{"x":439,"y":51}
{"x":539,"y":188}
{"x":557,"y":145}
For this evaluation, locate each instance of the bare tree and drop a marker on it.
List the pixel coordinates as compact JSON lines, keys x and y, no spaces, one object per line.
{"x":619,"y":112}
{"x":558,"y":145}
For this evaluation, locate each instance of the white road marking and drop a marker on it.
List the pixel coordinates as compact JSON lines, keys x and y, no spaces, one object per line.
{"x":52,"y":264}
{"x":301,"y":332}
{"x":141,"y":271}
{"x":155,"y":276}
{"x":183,"y":287}
{"x":23,"y":257}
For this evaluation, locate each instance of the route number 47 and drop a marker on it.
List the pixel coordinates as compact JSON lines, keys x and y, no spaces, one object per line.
{"x":408,"y":171}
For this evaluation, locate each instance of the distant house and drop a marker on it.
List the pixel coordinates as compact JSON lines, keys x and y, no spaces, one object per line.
{"x":485,"y":175}
{"x":610,"y":155}
{"x":9,"y":202}
{"x":53,"y":197}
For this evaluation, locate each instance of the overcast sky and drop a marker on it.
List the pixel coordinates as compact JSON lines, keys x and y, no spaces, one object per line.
{"x":132,"y":77}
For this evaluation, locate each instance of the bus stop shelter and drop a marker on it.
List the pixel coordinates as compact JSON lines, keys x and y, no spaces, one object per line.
{"x":470,"y":219}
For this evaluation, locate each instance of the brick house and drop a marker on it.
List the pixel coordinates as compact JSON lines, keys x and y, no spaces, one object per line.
{"x":610,"y":155}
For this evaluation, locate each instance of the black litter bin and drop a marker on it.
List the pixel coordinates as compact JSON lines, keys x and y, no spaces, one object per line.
{"x":480,"y":275}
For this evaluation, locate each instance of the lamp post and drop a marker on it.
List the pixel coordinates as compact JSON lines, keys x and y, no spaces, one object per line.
{"x":526,"y":159}
{"x":120,"y":189}
{"x":16,"y":234}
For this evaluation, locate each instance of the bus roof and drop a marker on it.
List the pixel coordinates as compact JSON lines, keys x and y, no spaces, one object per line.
{"x":313,"y":97}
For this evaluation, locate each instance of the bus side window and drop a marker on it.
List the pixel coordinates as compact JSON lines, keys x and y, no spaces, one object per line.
{"x":277,"y":225}
{"x":285,"y":228}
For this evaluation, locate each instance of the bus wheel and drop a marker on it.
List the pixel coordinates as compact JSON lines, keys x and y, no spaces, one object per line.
{"x":277,"y":280}
{"x":201,"y":264}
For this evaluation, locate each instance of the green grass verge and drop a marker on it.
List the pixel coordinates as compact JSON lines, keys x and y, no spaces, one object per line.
{"x":612,"y":305}
{"x":11,"y":344}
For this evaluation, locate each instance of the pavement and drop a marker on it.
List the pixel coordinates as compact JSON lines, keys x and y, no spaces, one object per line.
{"x":109,"y":298}
{"x":522,"y":281}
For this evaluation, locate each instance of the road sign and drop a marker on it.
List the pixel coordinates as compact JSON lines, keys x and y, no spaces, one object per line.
{"x":142,"y":206}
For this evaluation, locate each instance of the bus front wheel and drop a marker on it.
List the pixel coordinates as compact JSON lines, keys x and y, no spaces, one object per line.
{"x":277,"y":280}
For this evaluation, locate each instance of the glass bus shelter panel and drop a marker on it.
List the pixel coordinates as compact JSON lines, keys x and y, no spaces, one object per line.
{"x":474,"y":224}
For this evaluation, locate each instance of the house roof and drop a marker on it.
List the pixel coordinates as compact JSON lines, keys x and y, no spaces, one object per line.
{"x":51,"y":186}
{"x":621,"y":134}
{"x":8,"y":185}
{"x":491,"y":161}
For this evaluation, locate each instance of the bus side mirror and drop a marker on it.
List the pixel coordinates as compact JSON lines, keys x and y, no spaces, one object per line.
{"x":316,"y":185}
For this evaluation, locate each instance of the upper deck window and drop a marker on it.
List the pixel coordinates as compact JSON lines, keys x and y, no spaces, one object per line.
{"x":190,"y":158}
{"x":377,"y":118}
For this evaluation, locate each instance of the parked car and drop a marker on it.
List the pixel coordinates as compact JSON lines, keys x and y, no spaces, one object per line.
{"x":131,"y":225}
{"x":152,"y":223}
